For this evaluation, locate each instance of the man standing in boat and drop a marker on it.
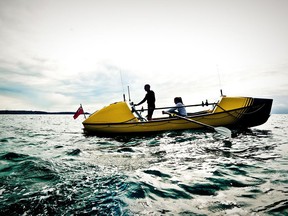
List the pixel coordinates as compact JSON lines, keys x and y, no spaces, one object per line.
{"x":150,"y":98}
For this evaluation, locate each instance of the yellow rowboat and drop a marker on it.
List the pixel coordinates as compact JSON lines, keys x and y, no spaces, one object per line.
{"x":231,"y":112}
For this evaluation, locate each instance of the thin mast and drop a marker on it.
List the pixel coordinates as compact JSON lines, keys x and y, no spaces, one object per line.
{"x":219,"y":79}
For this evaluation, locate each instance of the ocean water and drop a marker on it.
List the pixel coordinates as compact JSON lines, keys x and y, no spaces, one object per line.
{"x":49,"y":167}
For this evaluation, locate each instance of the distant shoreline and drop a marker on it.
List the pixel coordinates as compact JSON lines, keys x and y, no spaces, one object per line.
{"x":28,"y":112}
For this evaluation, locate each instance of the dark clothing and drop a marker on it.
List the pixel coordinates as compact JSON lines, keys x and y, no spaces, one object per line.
{"x":150,"y":111}
{"x":150,"y":98}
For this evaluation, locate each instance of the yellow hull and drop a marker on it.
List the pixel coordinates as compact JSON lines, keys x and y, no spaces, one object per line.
{"x":233,"y":112}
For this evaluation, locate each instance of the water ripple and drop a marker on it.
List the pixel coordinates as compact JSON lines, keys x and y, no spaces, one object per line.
{"x":50,"y":167}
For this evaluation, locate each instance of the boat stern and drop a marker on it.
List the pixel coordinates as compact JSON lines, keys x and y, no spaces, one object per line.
{"x":246,"y":111}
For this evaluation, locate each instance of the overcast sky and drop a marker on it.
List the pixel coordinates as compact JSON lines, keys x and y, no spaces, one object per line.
{"x":56,"y":54}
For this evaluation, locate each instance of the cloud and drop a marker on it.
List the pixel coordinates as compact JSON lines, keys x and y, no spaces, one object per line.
{"x":106,"y":84}
{"x":47,"y":91}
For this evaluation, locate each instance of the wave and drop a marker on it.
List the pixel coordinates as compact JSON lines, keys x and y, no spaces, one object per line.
{"x":48,"y":169}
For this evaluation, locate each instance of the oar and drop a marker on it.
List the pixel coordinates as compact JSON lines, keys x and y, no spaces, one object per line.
{"x":221,"y":130}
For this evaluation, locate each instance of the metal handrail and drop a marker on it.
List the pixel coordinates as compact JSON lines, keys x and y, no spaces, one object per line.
{"x":193,"y":105}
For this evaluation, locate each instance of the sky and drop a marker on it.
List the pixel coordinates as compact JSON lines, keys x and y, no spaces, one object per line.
{"x":57,"y":54}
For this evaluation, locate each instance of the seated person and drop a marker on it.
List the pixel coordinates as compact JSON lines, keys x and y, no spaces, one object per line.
{"x":179,"y":107}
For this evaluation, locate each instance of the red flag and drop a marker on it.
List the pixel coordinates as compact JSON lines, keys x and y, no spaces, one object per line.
{"x":78,"y":112}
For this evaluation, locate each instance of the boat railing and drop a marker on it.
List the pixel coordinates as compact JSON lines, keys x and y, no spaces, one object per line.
{"x":193,"y":105}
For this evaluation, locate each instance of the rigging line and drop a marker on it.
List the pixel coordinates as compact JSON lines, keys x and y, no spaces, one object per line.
{"x":227,"y":111}
{"x":121,"y":81}
{"x":240,"y":110}
{"x":252,"y":112}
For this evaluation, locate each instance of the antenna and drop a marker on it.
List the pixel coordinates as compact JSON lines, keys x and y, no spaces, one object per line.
{"x":129,"y":94}
{"x":122,"y":85}
{"x":219,"y":78}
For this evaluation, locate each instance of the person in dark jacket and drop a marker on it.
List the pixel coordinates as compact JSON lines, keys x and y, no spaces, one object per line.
{"x":150,"y":98}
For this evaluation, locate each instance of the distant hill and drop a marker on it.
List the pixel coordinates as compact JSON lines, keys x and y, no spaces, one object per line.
{"x":29,"y":112}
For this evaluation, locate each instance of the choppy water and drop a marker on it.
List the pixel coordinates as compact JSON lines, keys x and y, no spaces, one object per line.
{"x":49,"y":167}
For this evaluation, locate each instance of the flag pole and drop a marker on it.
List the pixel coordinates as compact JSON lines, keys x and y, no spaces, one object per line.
{"x":83,"y":111}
